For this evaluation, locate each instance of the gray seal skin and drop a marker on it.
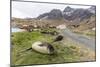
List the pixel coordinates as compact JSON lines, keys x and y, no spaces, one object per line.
{"x":43,"y":47}
{"x":58,"y":38}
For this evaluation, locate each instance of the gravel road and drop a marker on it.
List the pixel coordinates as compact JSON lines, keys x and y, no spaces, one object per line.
{"x":90,"y":43}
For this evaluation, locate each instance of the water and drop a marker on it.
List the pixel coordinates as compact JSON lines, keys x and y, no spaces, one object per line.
{"x":16,"y":30}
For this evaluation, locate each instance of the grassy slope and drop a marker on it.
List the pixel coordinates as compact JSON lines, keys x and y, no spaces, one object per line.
{"x":24,"y":40}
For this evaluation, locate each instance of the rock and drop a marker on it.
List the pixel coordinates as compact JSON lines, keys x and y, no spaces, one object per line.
{"x":63,"y":26}
{"x":93,"y":29}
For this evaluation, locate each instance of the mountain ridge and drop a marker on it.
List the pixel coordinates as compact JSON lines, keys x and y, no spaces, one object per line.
{"x":69,"y":13}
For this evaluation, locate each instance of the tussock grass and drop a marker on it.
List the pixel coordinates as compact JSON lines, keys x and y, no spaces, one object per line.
{"x":66,"y":51}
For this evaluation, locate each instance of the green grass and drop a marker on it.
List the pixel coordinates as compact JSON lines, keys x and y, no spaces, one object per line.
{"x":24,"y":40}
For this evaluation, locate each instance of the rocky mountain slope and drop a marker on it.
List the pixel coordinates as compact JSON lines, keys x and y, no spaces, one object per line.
{"x":73,"y":18}
{"x":69,"y":13}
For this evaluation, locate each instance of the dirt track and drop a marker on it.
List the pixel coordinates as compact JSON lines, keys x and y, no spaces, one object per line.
{"x":80,"y":39}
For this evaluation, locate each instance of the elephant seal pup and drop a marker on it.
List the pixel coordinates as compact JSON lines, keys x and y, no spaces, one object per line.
{"x":43,"y":47}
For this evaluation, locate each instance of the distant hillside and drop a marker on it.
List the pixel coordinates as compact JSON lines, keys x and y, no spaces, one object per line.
{"x":81,"y":19}
{"x":69,"y":13}
{"x":53,"y":14}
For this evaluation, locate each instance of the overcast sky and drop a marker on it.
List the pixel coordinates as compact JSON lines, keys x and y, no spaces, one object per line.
{"x":31,"y":10}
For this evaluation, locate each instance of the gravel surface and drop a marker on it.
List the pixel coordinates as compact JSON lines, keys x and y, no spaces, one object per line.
{"x":90,"y":43}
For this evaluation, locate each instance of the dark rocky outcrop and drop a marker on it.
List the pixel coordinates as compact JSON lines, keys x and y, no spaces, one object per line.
{"x":69,"y":13}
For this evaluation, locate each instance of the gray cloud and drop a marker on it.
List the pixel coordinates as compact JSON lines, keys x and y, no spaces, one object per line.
{"x":28,"y":9}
